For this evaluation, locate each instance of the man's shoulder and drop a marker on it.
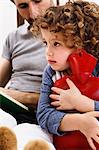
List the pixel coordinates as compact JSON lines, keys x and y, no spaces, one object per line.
{"x":21,"y":30}
{"x":20,"y":33}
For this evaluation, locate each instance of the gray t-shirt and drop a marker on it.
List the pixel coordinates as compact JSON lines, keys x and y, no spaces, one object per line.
{"x":27,"y":55}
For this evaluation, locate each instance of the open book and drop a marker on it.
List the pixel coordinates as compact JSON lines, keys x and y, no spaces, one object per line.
{"x":11,"y":105}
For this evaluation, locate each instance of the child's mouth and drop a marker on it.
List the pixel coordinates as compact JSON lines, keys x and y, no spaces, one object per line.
{"x":51,"y":61}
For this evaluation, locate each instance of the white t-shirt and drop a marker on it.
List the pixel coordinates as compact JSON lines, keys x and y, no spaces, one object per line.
{"x":27,"y":55}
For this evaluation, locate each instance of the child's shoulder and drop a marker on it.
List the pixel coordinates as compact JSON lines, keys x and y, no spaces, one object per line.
{"x":49,"y":70}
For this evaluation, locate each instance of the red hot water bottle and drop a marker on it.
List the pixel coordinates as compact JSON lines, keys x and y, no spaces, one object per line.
{"x":82,"y":65}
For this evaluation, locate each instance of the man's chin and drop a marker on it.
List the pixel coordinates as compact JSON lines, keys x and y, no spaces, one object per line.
{"x":30,"y":21}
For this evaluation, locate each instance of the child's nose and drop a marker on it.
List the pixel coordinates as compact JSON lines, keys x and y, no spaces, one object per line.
{"x":49,"y":53}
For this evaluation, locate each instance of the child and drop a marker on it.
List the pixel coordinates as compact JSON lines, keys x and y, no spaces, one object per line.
{"x":66,"y":29}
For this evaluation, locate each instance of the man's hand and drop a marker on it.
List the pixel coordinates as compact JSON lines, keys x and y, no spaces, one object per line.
{"x":28,"y":99}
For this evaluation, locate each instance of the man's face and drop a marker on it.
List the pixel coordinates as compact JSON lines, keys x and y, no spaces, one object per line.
{"x":30,"y":9}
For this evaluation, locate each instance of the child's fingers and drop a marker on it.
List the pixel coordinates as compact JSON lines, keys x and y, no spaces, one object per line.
{"x":94,"y":113}
{"x":56,"y":103}
{"x":54,"y":96}
{"x":56,"y":90}
{"x":71,"y":84}
{"x":96,"y":138}
{"x":90,"y":141}
{"x":59,"y":108}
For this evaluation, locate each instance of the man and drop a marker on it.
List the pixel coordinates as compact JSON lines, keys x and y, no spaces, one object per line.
{"x":22,"y":62}
{"x":23,"y":59}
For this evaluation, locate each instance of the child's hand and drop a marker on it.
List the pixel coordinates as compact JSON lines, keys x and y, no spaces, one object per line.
{"x":71,"y":99}
{"x":65,"y":99}
{"x":89,"y":126}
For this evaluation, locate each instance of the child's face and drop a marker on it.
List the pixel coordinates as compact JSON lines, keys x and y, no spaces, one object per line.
{"x":57,"y":52}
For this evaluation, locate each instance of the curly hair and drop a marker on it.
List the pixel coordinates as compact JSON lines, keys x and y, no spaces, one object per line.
{"x":78,"y":18}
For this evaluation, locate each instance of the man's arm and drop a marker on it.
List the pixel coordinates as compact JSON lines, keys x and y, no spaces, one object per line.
{"x":28,"y":99}
{"x":5,"y":71}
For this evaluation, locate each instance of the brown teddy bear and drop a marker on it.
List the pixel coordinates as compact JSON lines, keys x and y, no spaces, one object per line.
{"x":8,"y":141}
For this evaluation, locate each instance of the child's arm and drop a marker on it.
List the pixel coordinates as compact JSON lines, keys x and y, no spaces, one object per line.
{"x":71,"y":99}
{"x":55,"y":121}
{"x":86,"y":123}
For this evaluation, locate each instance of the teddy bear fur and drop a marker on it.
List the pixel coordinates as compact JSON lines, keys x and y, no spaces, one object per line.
{"x":8,"y":139}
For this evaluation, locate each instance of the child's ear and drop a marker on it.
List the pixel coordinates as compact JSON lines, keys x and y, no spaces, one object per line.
{"x":8,"y":140}
{"x":37,"y":144}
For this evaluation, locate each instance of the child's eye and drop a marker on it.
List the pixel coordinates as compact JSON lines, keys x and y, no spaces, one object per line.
{"x":56,"y":44}
{"x":23,"y":5}
{"x":44,"y":43}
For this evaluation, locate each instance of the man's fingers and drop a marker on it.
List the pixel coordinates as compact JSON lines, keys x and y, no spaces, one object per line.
{"x":56,"y":90}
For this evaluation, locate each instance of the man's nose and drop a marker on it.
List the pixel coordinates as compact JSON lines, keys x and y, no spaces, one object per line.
{"x":31,"y":7}
{"x":33,"y":10}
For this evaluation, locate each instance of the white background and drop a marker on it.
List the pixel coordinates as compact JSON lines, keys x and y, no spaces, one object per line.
{"x":8,"y":18}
